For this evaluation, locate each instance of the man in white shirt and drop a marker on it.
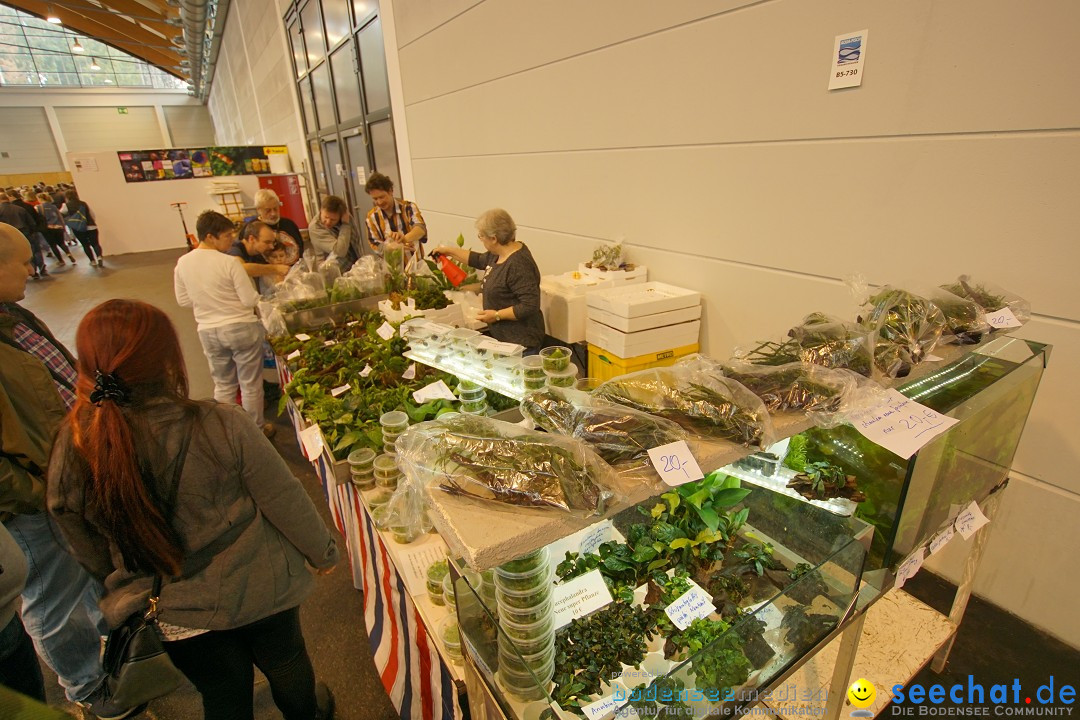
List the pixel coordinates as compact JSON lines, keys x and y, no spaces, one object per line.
{"x":220,"y":291}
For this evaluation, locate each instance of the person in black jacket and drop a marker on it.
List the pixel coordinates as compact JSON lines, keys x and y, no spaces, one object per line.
{"x":78,"y":217}
{"x":25,"y":221}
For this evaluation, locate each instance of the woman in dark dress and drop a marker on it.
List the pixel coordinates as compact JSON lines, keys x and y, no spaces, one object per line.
{"x":511,"y":285}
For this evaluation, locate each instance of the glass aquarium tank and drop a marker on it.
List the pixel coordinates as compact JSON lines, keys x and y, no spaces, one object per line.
{"x":774,"y":575}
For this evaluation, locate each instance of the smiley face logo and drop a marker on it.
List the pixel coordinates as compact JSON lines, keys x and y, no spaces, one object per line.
{"x":861,"y":694}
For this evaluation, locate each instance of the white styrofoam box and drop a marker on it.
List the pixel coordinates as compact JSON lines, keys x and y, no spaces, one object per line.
{"x":645,"y":322}
{"x":631,"y":301}
{"x":562,"y":298}
{"x":620,"y":277}
{"x":627,"y":345}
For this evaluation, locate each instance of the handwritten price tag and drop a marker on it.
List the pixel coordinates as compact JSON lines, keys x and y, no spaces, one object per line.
{"x":350,"y":324}
{"x":410,"y":372}
{"x":385,"y":331}
{"x":329,"y":343}
{"x":1002,"y":318}
{"x":366,"y":371}
{"x":312,"y":441}
{"x":435,"y":391}
{"x":578,"y":597}
{"x":941,"y":540}
{"x":340,"y":390}
{"x":597,"y":536}
{"x":675,"y":463}
{"x":970,"y":520}
{"x":909,"y":568}
{"x":900,"y":424}
{"x":693,"y":604}
{"x":293,"y":355}
{"x":302,"y":337}
{"x":601,"y":708}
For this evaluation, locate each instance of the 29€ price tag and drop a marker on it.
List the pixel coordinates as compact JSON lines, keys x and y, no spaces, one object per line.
{"x":675,"y":463}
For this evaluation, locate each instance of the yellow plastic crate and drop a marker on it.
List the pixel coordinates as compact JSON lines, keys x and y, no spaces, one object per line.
{"x":604,"y":365}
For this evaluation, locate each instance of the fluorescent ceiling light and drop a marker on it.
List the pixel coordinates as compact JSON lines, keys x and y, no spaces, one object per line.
{"x":94,"y":65}
{"x":77,"y":47}
{"x":53,"y":18}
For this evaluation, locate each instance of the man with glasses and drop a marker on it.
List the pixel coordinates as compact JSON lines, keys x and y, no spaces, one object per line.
{"x":268,"y":206}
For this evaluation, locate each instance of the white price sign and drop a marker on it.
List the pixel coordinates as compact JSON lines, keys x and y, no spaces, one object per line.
{"x":312,"y":441}
{"x":941,"y":540}
{"x":848,"y":60}
{"x":435,"y":391}
{"x":900,"y":424}
{"x":329,"y":343}
{"x":578,"y":597}
{"x":692,"y":605}
{"x":385,"y":331}
{"x":410,"y":372}
{"x":340,"y":390}
{"x":909,"y":568}
{"x":293,"y":355}
{"x":366,"y":371}
{"x":675,"y":463}
{"x":970,"y":520}
{"x":302,"y":337}
{"x":1003,"y":318}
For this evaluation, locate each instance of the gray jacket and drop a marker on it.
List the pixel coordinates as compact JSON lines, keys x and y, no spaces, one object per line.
{"x":233,"y":485}
{"x":13,"y":572}
{"x":325,"y":242}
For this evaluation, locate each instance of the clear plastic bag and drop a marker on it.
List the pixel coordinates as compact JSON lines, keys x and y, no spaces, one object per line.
{"x":406,"y":513}
{"x":272,"y":319}
{"x":965,"y":321}
{"x":502,"y":462}
{"x":694,"y":394}
{"x":822,"y":393}
{"x":620,"y":435}
{"x":990,"y":297}
{"x":907,"y":327}
{"x":819,"y":340}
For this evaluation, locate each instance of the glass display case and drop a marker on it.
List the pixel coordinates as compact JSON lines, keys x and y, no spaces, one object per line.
{"x":784,"y":578}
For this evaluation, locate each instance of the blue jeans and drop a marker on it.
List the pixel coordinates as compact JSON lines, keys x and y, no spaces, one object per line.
{"x":60,"y":606}
{"x":37,"y":242}
{"x":235,"y":354}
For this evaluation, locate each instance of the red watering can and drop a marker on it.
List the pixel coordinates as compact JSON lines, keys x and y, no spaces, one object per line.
{"x":453,"y":273}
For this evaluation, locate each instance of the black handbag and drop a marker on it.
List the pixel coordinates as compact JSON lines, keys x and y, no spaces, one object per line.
{"x":137,"y":668}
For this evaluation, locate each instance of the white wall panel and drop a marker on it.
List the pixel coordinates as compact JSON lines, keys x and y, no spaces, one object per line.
{"x":189,"y":126}
{"x":936,"y":206}
{"x":761,"y":74}
{"x":419,"y":17}
{"x":518,"y":33}
{"x":26,"y":138}
{"x":87,"y":129}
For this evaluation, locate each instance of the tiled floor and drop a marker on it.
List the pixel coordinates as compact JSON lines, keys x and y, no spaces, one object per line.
{"x":993,"y":646}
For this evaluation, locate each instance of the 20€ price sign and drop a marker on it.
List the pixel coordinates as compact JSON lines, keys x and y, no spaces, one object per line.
{"x":675,"y":464}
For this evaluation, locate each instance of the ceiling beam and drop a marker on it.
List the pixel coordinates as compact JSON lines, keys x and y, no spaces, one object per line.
{"x":122,"y":34}
{"x":130,"y":7}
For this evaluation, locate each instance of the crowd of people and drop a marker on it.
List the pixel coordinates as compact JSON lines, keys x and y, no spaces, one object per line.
{"x":53,"y":220}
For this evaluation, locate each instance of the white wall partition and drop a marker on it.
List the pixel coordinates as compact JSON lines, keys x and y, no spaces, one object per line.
{"x":701,"y":134}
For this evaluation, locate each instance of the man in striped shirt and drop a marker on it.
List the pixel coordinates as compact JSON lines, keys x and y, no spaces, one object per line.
{"x":392,"y":220}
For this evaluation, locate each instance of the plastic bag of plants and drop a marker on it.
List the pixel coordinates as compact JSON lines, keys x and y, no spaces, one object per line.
{"x":907,"y":327}
{"x":820,"y":340}
{"x":822,"y":393}
{"x":502,"y":462}
{"x":989,"y":297}
{"x":407,"y":513}
{"x":694,"y":394}
{"x":620,"y":435}
{"x":965,"y":321}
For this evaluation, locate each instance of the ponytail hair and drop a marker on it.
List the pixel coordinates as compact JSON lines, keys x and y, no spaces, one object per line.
{"x":129,"y":354}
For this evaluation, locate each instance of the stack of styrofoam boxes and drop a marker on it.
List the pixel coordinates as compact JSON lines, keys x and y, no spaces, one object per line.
{"x":562,"y":297}
{"x":637,"y":326}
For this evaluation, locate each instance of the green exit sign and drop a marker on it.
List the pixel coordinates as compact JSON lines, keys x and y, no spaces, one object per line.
{"x":121,"y":110}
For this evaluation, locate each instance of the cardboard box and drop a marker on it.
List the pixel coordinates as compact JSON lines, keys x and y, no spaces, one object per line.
{"x":631,"y":301}
{"x":639,"y":274}
{"x":646,"y":341}
{"x":605,"y":365}
{"x":645,"y":322}
{"x":562,"y":298}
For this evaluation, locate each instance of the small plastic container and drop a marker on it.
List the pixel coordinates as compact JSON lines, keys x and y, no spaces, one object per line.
{"x":387,"y":483}
{"x":361,"y":459}
{"x":540,"y":643}
{"x":524,"y":686}
{"x":524,"y":583}
{"x":405,"y":534}
{"x":523,"y":600}
{"x":509,"y":368}
{"x":527,"y":632}
{"x":394,"y":421}
{"x":380,"y":517}
{"x":376,"y":499}
{"x":471,"y":394}
{"x":474,"y":407}
{"x":532,"y":366}
{"x":468,"y":386}
{"x":556,"y":358}
{"x":435,"y":574}
{"x":389,"y":449}
{"x":363,"y":482}
{"x":385,"y":465}
{"x":565,"y":379}
{"x":527,"y":616}
{"x":523,"y":564}
{"x":450,"y":635}
{"x":459,"y":339}
{"x":522,"y":664}
{"x":448,"y":593}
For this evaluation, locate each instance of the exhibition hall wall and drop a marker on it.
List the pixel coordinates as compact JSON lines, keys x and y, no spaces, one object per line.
{"x":702,"y":135}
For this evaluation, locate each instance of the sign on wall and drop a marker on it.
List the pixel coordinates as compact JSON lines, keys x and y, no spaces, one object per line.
{"x":178,"y":164}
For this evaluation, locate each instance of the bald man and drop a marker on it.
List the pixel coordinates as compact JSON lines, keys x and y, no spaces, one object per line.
{"x":37,"y":387}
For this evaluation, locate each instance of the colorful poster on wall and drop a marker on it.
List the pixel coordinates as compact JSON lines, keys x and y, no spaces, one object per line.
{"x":200,"y":163}
{"x":182,"y":163}
{"x":131,"y":166}
{"x":227,"y":160}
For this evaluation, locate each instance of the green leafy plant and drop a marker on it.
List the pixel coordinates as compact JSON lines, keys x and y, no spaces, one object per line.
{"x":717,"y":659}
{"x":821,"y":480}
{"x":757,"y":556}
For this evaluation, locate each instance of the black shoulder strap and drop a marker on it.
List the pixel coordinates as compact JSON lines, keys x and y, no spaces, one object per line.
{"x":170,"y":505}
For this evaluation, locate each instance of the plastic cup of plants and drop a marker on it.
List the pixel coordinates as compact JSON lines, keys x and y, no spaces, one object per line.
{"x":394,"y":421}
{"x":468,"y":386}
{"x":385,"y":465}
{"x":524,"y":563}
{"x":450,"y":635}
{"x":524,"y":583}
{"x":526,"y":616}
{"x":472,"y":393}
{"x":524,"y":686}
{"x":434,"y":578}
{"x":448,"y":592}
{"x":387,"y":483}
{"x":509,"y":369}
{"x":376,"y":499}
{"x":361,"y":459}
{"x":363,"y":482}
{"x":459,"y":340}
{"x":380,"y":516}
{"x":587,"y":384}
{"x":525,"y":599}
{"x":389,"y":449}
{"x":556,"y":358}
{"x":474,"y":407}
{"x":522,"y":664}
{"x":564,"y":378}
{"x":527,"y":632}
{"x":539,"y":643}
{"x":405,"y":534}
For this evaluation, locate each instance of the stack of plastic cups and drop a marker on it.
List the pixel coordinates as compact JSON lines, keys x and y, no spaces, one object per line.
{"x":361,"y":467}
{"x":533,"y":376}
{"x":562,"y":378}
{"x":558,"y":369}
{"x":387,"y":473}
{"x":451,"y":638}
{"x":436,"y":573}
{"x":393,"y":424}
{"x":473,"y":398}
{"x":527,"y":649}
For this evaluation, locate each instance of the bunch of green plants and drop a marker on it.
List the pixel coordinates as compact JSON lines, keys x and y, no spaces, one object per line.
{"x":590,"y":650}
{"x":717,"y":658}
{"x":907,"y":326}
{"x":758,"y":556}
{"x":819,"y":340}
{"x":306,"y":304}
{"x":987,"y":299}
{"x":787,"y":388}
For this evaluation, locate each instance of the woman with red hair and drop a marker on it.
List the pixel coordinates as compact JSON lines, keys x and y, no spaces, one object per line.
{"x":145,"y":482}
